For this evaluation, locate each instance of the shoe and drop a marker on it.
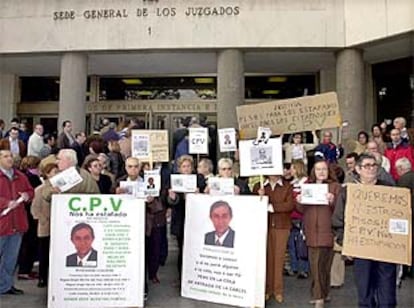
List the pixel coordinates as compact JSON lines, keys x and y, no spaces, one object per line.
{"x":14,"y":291}
{"x":319,"y":303}
{"x":267,"y":297}
{"x":279,"y":298}
{"x":303,"y":275}
{"x":289,"y":273}
{"x":327,"y":299}
{"x":25,"y":277}
{"x":42,"y":284}
{"x":155,"y":280}
{"x":314,"y":301}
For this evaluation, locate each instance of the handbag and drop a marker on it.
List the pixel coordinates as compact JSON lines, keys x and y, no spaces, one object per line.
{"x":300,"y":245}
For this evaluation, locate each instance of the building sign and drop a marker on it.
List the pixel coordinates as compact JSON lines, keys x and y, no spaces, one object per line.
{"x":147,"y":11}
{"x":157,"y":107}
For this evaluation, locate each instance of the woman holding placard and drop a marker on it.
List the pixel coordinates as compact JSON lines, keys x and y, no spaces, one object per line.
{"x":185,"y":166}
{"x":225,"y":170}
{"x":281,"y":205}
{"x":318,"y":231}
{"x":296,"y":150}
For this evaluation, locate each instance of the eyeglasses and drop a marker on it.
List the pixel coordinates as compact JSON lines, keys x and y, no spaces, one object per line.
{"x":224,"y":169}
{"x":369,"y":166}
{"x":132,"y":166}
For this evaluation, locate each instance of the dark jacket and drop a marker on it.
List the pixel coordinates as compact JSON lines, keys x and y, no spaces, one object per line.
{"x":16,"y":220}
{"x":178,"y":209}
{"x":72,"y":260}
{"x":209,"y":239}
{"x":5,"y":145}
{"x":317,"y":221}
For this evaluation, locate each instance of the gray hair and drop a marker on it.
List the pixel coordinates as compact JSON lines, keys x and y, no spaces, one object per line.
{"x":403,"y":163}
{"x":400,"y":120}
{"x":223,"y":161}
{"x":208,"y":163}
{"x":70,"y":155}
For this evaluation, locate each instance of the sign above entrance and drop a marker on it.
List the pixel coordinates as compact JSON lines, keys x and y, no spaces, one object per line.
{"x":286,"y":116}
{"x":153,"y":106}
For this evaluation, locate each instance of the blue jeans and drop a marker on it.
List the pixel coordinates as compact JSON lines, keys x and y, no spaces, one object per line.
{"x":9,"y":251}
{"x":296,"y":264}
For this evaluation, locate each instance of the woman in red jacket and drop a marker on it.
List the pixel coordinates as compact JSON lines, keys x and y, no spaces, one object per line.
{"x":318,"y":232}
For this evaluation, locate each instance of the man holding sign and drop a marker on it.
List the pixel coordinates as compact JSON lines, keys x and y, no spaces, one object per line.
{"x":376,"y":280}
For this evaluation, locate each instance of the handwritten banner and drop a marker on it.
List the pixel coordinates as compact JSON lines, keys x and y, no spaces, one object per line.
{"x":290,"y":115}
{"x":158,"y":145}
{"x":378,"y":223}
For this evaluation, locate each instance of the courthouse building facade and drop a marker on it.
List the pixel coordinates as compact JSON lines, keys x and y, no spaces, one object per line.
{"x":160,"y":60}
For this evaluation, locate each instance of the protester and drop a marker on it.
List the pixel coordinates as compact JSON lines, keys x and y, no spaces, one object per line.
{"x":350,"y":174}
{"x":376,"y":136}
{"x":319,"y":237}
{"x":36,"y":144}
{"x":94,"y":167}
{"x":296,"y":150}
{"x":80,"y":148}
{"x":28,"y":248}
{"x":40,"y":210}
{"x":13,"y":143}
{"x":205,"y":168}
{"x":15,"y":191}
{"x":281,"y":205}
{"x":66,"y":139}
{"x":328,"y":150}
{"x":398,"y":149}
{"x":375,"y":280}
{"x":117,"y":165}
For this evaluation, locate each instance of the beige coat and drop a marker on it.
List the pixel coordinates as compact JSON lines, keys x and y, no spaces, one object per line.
{"x":40,"y":210}
{"x":87,"y":186}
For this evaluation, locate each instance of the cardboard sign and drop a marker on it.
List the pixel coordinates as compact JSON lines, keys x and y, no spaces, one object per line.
{"x":227,"y":139}
{"x":224,"y":261}
{"x":263,"y":158}
{"x":290,"y":115}
{"x":97,"y":251}
{"x":198,"y":140}
{"x":378,"y":223}
{"x":147,"y":143}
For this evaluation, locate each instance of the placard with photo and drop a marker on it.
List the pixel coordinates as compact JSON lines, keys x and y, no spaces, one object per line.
{"x":227,"y":139}
{"x":184,"y":182}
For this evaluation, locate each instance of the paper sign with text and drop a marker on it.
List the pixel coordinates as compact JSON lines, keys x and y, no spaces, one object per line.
{"x":225,"y":249}
{"x":96,"y":251}
{"x":198,"y":140}
{"x":290,"y":115}
{"x":378,"y":223}
{"x":227,"y":139}
{"x":261,"y":157}
{"x":156,"y":141}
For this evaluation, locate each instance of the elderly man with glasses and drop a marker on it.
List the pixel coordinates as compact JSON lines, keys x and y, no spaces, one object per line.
{"x":375,"y":280}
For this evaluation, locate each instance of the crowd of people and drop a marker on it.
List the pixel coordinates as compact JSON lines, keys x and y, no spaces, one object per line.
{"x":303,"y":240}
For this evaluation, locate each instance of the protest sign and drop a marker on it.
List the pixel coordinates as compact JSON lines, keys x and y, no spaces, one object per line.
{"x":183,"y":182}
{"x":152,"y":180}
{"x":220,"y":186}
{"x":261,"y":158}
{"x":227,"y":139}
{"x":290,"y":115}
{"x":96,"y":251}
{"x":150,"y":145}
{"x":378,"y":223}
{"x":198,"y":140}
{"x":229,"y":269}
{"x":66,"y":179}
{"x":314,"y":194}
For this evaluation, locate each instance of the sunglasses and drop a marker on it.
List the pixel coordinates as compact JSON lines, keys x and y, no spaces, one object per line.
{"x":225,"y":168}
{"x":132,"y":166}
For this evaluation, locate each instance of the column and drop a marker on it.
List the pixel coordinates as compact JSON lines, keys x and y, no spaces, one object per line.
{"x":9,"y":96}
{"x":350,"y":86}
{"x":73,"y":79}
{"x":230,"y":86}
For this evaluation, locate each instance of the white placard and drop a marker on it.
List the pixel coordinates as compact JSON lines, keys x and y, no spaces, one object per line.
{"x":134,"y":188}
{"x":227,"y":139}
{"x":398,"y":226}
{"x":184,"y":182}
{"x":314,"y":194}
{"x":221,"y":186}
{"x":198,"y":140}
{"x":264,"y":158}
{"x":152,"y":182}
{"x":141,"y":146}
{"x":111,"y":273}
{"x":233,"y":272}
{"x":263,"y":134}
{"x":66,"y":179}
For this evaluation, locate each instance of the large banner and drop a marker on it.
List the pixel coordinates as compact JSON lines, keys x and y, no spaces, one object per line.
{"x":290,"y":115}
{"x":150,"y":145}
{"x":225,"y":249}
{"x":96,"y":251}
{"x":378,"y":223}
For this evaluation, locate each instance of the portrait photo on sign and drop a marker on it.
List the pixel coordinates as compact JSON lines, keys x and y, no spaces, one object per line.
{"x":82,"y":237}
{"x":227,"y":139}
{"x":223,"y":235}
{"x":263,"y":158}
